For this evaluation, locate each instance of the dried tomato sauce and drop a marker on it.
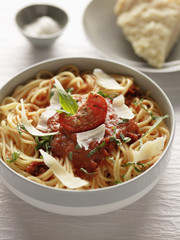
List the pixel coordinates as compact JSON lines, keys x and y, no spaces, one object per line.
{"x":95,"y":111}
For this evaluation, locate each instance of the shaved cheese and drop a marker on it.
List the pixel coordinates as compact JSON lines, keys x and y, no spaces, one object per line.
{"x":51,"y":110}
{"x":122,"y":110}
{"x":150,"y":149}
{"x":57,"y":84}
{"x":106,"y":81}
{"x":29,"y":127}
{"x":60,"y":172}
{"x":96,"y":134}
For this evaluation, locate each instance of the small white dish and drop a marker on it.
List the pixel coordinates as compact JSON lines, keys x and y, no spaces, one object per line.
{"x":31,"y":13}
{"x":100,"y":26}
{"x":97,"y":201}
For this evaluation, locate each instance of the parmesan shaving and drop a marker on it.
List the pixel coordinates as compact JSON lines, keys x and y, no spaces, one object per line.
{"x":122,"y":110}
{"x":57,"y":84}
{"x":150,"y":149}
{"x":60,"y":172}
{"x":51,"y":110}
{"x":96,"y":134}
{"x":106,"y":81}
{"x":29,"y":127}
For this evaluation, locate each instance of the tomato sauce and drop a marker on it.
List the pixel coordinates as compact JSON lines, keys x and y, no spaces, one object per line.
{"x":132,"y":92}
{"x":36,"y":168}
{"x":92,"y":113}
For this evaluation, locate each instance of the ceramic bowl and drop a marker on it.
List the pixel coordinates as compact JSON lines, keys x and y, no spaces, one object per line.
{"x":98,"y":201}
{"x":31,"y":13}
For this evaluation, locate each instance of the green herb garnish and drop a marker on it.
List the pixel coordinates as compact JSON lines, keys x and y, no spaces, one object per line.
{"x":140,"y":101}
{"x":150,"y":113}
{"x":96,"y":149}
{"x":52,"y":92}
{"x":114,"y":139}
{"x":125,"y":139}
{"x":123,"y":120}
{"x":85,"y":171}
{"x":100,"y":92}
{"x":143,"y":107}
{"x":43,"y":141}
{"x":141,"y":164}
{"x":69,"y":90}
{"x":117,"y":182}
{"x":110,"y":158}
{"x":158,"y":121}
{"x":77,"y":146}
{"x":70,"y":156}
{"x":20,"y":127}
{"x":68,"y":104}
{"x":137,"y":170}
{"x":14,"y":157}
{"x":134,"y":165}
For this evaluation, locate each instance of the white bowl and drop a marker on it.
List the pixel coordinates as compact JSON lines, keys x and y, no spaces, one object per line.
{"x":90,"y":202}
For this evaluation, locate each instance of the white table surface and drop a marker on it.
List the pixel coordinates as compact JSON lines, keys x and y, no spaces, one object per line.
{"x":155,"y":216}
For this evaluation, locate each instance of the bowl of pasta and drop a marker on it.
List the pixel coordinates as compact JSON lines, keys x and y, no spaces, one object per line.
{"x":83,"y":136}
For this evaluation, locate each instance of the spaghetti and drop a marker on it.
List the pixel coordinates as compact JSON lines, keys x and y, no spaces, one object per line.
{"x":120,"y":154}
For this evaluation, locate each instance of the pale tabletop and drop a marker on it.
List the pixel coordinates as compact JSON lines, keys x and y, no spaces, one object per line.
{"x":155,"y":216}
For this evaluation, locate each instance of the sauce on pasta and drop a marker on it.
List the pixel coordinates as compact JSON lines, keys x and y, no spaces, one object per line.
{"x":104,"y":161}
{"x":65,"y":142}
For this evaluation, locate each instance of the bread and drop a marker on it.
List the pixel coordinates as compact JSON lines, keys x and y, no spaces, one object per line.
{"x":151,"y":26}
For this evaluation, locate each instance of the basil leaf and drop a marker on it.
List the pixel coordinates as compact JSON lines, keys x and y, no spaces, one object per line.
{"x":118,"y":182}
{"x":14,"y":157}
{"x":123,"y":120}
{"x":133,"y":164}
{"x":140,"y":101}
{"x":52,"y":92}
{"x":68,"y":104}
{"x":43,"y":142}
{"x":96,"y":149}
{"x":85,"y":171}
{"x":63,"y":111}
{"x":128,"y":164}
{"x":110,"y":158}
{"x":125,"y":139}
{"x":20,"y":127}
{"x":159,"y":120}
{"x":141,"y":164}
{"x":77,"y":146}
{"x":113,"y":138}
{"x":104,"y":94}
{"x":69,"y":90}
{"x":137,"y":170}
{"x":70,"y":156}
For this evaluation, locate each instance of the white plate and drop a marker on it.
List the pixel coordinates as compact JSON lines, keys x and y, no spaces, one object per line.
{"x":100,"y":26}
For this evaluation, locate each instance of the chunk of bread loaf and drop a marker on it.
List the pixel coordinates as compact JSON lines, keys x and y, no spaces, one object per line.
{"x":151,"y":26}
